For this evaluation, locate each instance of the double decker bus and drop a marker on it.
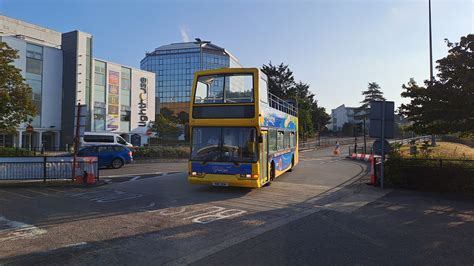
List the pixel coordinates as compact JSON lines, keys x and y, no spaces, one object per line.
{"x":241,"y":135}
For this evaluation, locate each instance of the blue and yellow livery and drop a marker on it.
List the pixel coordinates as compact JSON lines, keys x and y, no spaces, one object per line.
{"x":241,"y":135}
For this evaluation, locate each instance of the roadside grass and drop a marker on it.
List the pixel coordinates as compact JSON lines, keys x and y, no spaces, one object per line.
{"x":444,"y":150}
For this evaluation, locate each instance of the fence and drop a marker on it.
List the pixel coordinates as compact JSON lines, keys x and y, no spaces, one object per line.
{"x":46,"y":168}
{"x":431,"y":174}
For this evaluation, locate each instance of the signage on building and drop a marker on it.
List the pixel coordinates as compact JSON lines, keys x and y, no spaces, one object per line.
{"x":113,"y":101}
{"x":143,"y":103}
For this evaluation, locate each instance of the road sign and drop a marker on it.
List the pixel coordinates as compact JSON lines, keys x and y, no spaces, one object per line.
{"x":149,"y":132}
{"x":29,"y":129}
{"x":377,"y":147}
{"x":80,"y":119}
{"x":376,"y":118}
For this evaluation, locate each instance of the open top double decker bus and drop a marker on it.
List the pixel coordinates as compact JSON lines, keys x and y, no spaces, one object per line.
{"x":240,"y":134}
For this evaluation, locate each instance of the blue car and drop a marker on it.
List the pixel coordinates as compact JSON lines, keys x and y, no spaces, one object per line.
{"x":109,"y":155}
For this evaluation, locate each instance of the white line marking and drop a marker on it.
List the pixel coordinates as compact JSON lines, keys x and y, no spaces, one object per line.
{"x":135,"y":178}
{"x":17,"y":230}
{"x":75,"y":244}
{"x":125,"y":175}
{"x":20,"y":195}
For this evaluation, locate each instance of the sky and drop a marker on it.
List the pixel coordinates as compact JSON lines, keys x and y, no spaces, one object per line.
{"x":337,"y":46}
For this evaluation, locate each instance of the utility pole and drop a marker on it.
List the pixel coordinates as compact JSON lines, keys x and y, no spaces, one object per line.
{"x":433,"y":139}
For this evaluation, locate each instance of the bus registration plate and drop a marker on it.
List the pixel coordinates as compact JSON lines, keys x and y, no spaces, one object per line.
{"x":218,"y":184}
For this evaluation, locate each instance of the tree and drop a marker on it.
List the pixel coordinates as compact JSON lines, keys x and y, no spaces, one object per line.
{"x":183,"y":117}
{"x":280,"y":79}
{"x":447,"y":104}
{"x":319,"y":116}
{"x":16,"y":98}
{"x":282,"y":84}
{"x":373,"y":93}
{"x":347,"y":129}
{"x":168,"y":114}
{"x":165,"y":127}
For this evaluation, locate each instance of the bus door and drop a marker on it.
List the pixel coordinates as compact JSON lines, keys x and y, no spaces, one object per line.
{"x":264,"y":158}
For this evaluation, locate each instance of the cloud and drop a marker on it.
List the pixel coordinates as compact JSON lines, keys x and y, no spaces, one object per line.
{"x":184,"y":33}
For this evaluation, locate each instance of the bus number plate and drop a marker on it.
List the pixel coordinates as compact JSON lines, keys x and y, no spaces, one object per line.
{"x":217,"y":184}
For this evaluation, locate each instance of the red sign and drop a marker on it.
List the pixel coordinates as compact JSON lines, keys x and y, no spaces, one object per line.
{"x":149,"y":132}
{"x":29,"y":129}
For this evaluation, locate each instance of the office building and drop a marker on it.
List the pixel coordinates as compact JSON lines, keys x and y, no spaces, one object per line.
{"x":62,"y":72}
{"x":174,"y":66}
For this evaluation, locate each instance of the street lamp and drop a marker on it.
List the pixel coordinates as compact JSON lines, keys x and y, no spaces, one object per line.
{"x":201,"y":43}
{"x":433,"y":139}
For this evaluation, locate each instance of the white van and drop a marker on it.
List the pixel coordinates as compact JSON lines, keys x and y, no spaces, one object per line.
{"x":91,"y":138}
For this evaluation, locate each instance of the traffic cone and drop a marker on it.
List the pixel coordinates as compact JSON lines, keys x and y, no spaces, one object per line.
{"x":372,"y":171}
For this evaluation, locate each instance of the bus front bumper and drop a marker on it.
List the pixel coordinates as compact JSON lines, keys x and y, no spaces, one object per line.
{"x":223,"y":181}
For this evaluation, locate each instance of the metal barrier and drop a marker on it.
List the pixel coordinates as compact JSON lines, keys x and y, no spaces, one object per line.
{"x":44,"y":168}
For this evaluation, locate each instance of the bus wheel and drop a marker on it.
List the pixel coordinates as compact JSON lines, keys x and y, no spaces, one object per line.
{"x":292,"y":163}
{"x":272,"y":174}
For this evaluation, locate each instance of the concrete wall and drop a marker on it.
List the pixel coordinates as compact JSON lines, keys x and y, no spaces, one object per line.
{"x":137,"y":94}
{"x":30,"y":32}
{"x":52,"y":88}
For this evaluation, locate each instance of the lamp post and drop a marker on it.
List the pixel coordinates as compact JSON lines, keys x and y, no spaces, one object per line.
{"x":201,"y":43}
{"x":433,"y":139}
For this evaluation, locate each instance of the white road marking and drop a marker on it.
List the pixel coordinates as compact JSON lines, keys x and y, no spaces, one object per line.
{"x":135,"y":178}
{"x":105,"y":196}
{"x":13,"y":230}
{"x":17,"y":194}
{"x":125,"y":175}
{"x":202,"y":215}
{"x":76,"y":244}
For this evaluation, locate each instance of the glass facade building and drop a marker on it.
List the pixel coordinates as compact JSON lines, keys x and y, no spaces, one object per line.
{"x":174,"y":66}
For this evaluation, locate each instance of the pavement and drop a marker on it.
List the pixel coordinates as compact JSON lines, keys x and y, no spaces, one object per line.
{"x":148,"y":215}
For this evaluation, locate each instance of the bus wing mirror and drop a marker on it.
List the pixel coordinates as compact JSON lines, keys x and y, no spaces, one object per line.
{"x":260,"y":139}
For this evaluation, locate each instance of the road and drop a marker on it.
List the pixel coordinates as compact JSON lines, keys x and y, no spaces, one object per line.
{"x":160,"y":218}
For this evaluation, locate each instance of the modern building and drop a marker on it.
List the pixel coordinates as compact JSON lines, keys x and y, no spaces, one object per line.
{"x":62,"y":72}
{"x":174,"y":66}
{"x":342,"y":115}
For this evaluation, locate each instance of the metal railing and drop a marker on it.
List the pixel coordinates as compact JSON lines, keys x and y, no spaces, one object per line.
{"x":46,"y":168}
{"x":282,"y":105}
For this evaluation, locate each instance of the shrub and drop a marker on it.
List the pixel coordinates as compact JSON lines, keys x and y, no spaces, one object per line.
{"x":431,"y":174}
{"x":161,"y":152}
{"x":14,"y":152}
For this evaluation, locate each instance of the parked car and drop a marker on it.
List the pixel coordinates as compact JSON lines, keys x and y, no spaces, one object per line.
{"x":110,"y":155}
{"x":94,"y":138}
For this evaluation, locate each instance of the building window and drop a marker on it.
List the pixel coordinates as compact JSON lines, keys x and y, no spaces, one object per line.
{"x":34,"y":77}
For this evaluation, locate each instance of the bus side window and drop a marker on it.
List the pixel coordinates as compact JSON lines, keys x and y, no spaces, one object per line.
{"x":280,"y":140}
{"x":286,"y":141}
{"x":272,"y":141}
{"x":292,"y":140}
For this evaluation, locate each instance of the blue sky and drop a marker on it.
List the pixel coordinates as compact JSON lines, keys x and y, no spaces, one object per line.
{"x":335,"y":46}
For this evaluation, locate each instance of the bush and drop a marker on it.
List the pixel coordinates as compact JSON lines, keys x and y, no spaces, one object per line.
{"x":161,"y":152}
{"x":14,"y":152}
{"x":430,"y":174}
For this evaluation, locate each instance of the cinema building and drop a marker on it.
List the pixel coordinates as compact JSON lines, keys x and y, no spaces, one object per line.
{"x":62,"y":72}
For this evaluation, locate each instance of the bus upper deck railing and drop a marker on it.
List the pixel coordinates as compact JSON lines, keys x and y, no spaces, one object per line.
{"x":282,"y":105}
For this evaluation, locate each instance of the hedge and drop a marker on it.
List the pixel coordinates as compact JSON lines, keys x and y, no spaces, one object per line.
{"x":161,"y":152}
{"x":14,"y":152}
{"x":441,"y":175}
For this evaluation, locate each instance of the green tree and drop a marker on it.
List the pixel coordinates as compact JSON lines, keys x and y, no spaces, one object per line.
{"x":447,"y":104}
{"x":319,"y":116}
{"x":373,"y":93}
{"x":16,"y":100}
{"x":165,"y":127}
{"x":347,"y":129}
{"x":183,"y":117}
{"x":280,"y":79}
{"x":168,"y":114}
